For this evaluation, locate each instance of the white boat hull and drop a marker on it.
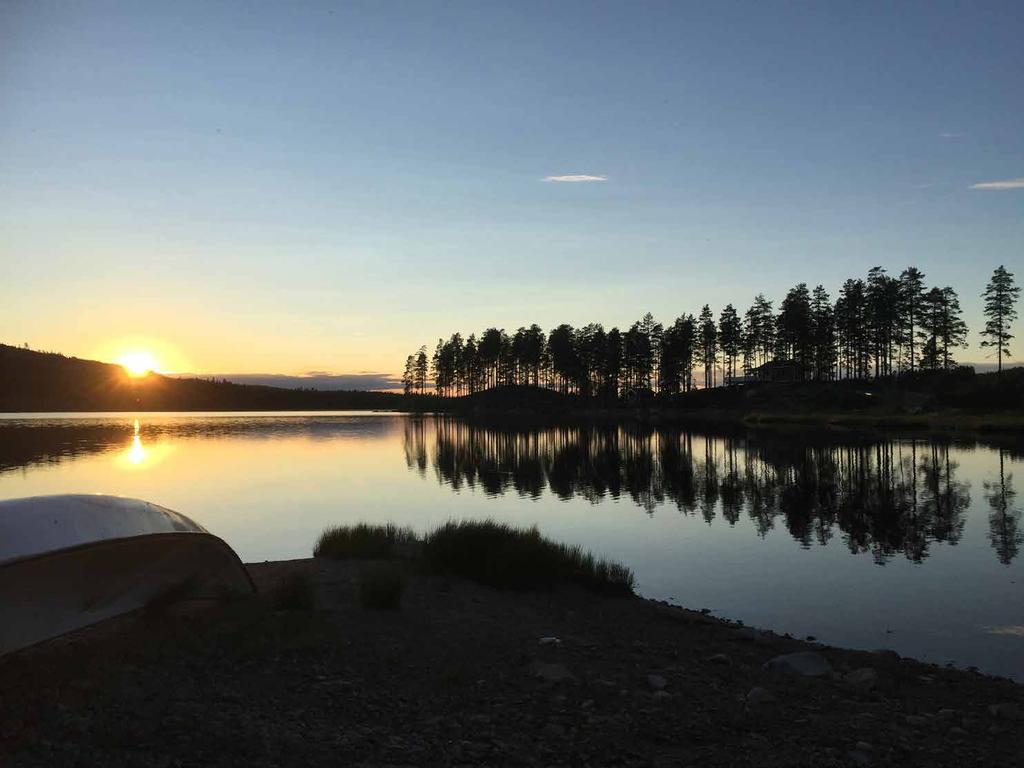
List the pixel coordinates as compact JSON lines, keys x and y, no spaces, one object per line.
{"x":72,"y":561}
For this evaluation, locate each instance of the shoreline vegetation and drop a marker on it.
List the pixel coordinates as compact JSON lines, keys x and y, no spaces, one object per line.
{"x":544,"y":673}
{"x":491,"y":553}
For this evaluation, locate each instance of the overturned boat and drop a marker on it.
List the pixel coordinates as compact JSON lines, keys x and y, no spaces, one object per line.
{"x":73,"y":560}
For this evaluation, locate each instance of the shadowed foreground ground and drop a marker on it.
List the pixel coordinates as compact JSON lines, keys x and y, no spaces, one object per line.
{"x":458,"y":677}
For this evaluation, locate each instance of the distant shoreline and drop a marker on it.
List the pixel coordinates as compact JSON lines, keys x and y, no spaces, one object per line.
{"x":34,"y":382}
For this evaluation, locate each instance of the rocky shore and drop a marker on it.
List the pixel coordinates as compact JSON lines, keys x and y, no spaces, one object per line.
{"x":469,"y":676}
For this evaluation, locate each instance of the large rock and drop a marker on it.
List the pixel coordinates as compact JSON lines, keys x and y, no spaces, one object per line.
{"x":804,"y":664}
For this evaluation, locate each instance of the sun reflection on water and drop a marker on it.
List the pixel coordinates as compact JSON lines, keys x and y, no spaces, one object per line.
{"x":138,"y":456}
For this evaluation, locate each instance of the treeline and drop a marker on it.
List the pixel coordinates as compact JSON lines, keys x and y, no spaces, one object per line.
{"x":878,"y":326}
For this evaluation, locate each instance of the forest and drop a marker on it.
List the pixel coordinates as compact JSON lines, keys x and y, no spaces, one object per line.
{"x":878,"y":326}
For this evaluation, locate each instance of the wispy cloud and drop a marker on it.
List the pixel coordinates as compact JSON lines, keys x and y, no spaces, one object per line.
{"x":1008,"y":184}
{"x":576,"y":178}
{"x":950,"y":135}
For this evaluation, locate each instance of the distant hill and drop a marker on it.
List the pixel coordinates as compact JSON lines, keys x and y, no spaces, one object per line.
{"x":46,"y":381}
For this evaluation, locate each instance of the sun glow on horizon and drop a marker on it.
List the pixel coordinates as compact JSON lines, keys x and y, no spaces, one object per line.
{"x":137,"y":363}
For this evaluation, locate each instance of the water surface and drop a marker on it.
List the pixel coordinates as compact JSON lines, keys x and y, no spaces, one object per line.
{"x":866,"y":541}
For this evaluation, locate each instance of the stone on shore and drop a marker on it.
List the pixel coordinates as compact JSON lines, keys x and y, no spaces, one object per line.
{"x":760,"y":695}
{"x":864,"y":679}
{"x":656,"y":682}
{"x":551,"y":673}
{"x":803,"y":663}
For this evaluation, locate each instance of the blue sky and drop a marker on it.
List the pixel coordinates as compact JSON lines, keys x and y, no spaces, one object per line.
{"x":320,"y":186}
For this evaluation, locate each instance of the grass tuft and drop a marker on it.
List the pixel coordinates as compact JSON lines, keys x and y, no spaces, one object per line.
{"x":492,"y":553}
{"x":365,"y":542}
{"x":500,"y":555}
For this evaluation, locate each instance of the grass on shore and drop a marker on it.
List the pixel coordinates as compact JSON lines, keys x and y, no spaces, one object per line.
{"x":365,"y":542}
{"x":492,"y":553}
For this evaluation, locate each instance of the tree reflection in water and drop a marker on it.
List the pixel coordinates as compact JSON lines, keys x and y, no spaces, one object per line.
{"x":880,"y":496}
{"x":1004,"y":520}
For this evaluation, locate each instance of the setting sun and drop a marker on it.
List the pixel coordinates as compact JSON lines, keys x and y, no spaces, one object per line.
{"x":137,"y":364}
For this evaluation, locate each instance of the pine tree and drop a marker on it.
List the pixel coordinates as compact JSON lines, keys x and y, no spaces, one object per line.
{"x":421,"y":370}
{"x":409,"y":377}
{"x":730,"y":338}
{"x":708,"y":344}
{"x":823,"y":334}
{"x":941,"y":328}
{"x":911,"y":288}
{"x":1000,"y":296}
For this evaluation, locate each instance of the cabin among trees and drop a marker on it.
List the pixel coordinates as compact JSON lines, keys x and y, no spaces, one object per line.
{"x":773,"y":372}
{"x":878,"y":326}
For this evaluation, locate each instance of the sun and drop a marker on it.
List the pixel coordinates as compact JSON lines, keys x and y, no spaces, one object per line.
{"x":138,"y":363}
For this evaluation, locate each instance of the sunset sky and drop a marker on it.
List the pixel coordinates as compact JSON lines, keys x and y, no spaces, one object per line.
{"x":295,"y":187}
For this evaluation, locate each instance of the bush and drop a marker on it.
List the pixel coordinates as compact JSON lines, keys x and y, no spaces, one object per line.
{"x":294,"y":592}
{"x":381,"y":586}
{"x":501,"y":555}
{"x":365,"y":542}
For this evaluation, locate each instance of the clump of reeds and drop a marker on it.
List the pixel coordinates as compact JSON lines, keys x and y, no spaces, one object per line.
{"x":496,"y":554}
{"x":365,"y":542}
{"x":501,"y":555}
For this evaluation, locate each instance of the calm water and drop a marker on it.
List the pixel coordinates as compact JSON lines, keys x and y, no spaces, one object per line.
{"x":869,"y":542}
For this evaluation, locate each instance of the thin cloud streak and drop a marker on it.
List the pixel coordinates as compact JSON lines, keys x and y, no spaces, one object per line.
{"x":576,"y":178}
{"x":1008,"y":184}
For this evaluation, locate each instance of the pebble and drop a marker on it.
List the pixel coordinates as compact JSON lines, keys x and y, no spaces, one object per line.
{"x":718,"y":658}
{"x":760,"y":696}
{"x":552,"y":673}
{"x":804,"y":663}
{"x":1006,"y":711}
{"x":865,"y":678}
{"x":656,"y":682}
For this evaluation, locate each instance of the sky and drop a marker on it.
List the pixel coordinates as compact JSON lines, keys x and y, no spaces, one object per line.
{"x":323,"y":187}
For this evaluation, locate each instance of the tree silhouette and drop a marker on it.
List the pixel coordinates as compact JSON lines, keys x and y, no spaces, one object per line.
{"x":1000,"y":297}
{"x":823,"y":335}
{"x":708,"y":345}
{"x":911,"y":288}
{"x":941,"y":329}
{"x":730,"y":338}
{"x":421,"y":370}
{"x":793,"y":338}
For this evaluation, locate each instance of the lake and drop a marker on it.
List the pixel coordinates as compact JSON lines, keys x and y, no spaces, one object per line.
{"x":865,"y":541}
